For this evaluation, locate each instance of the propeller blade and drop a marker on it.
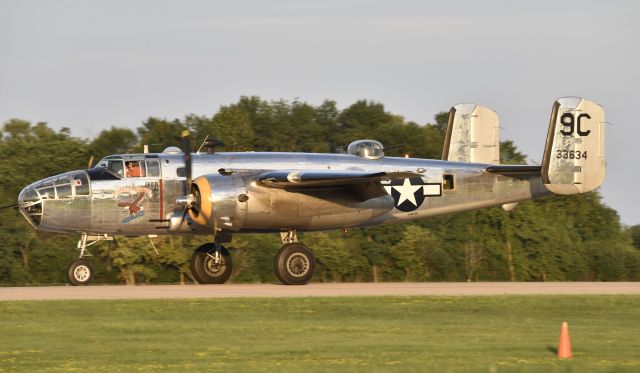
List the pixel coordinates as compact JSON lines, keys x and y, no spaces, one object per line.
{"x":184,"y":215}
{"x":186,"y":187}
{"x":13,"y":206}
{"x":186,"y":150}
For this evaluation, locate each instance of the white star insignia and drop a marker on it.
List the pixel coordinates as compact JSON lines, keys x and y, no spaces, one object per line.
{"x":407,"y":192}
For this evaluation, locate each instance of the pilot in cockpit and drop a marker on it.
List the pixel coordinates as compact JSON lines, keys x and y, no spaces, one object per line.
{"x":133,"y":169}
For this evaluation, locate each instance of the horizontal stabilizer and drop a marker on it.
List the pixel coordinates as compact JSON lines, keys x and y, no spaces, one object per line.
{"x":515,"y":170}
{"x":473,"y":135}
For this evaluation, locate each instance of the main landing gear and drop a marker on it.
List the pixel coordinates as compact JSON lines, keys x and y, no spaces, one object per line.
{"x":294,"y":264}
{"x":80,"y":271}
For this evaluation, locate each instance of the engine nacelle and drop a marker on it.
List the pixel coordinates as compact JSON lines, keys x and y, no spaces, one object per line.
{"x":219,"y":202}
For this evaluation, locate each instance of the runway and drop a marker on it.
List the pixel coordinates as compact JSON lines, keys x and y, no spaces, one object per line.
{"x":317,"y":290}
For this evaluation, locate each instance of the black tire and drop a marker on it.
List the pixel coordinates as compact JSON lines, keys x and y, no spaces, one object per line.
{"x":294,"y":264}
{"x":80,"y":272}
{"x":204,"y":268}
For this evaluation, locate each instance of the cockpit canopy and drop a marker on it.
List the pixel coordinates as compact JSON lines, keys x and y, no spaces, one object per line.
{"x":129,"y":166}
{"x":369,"y":149}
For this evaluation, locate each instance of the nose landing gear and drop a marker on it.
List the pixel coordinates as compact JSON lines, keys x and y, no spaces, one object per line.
{"x":80,"y":271}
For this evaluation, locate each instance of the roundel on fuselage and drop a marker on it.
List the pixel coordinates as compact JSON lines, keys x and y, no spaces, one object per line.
{"x":409,"y":194}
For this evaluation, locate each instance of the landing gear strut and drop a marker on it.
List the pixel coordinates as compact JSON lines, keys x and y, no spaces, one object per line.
{"x":294,"y":263}
{"x":80,"y":271}
{"x":211,"y":264}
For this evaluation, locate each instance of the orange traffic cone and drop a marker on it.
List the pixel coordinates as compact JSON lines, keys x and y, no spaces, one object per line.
{"x":564,"y":348}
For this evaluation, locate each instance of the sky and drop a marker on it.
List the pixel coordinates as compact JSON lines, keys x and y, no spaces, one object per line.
{"x":92,"y":65}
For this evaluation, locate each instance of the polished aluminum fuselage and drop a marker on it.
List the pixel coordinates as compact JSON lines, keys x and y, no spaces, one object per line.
{"x":106,"y":209}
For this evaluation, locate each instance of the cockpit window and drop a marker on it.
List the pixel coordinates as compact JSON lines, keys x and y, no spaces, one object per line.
{"x":116,"y":165}
{"x":103,"y":173}
{"x":135,"y":169}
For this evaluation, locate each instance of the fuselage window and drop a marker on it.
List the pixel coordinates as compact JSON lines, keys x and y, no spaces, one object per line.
{"x":63,"y":187}
{"x":31,"y":196}
{"x":81,"y":184}
{"x":135,"y":169}
{"x":447,"y":182}
{"x":116,"y":165}
{"x":153,"y":168}
{"x":47,"y":190}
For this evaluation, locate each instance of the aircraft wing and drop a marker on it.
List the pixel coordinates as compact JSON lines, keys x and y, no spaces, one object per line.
{"x":365,"y":184}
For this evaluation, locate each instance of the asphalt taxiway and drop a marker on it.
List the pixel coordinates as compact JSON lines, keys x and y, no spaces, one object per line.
{"x":317,"y":290}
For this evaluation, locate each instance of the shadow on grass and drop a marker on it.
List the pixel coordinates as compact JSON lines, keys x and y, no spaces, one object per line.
{"x":552,"y":349}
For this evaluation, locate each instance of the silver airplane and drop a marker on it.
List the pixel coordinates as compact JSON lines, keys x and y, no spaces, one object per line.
{"x":221,"y":194}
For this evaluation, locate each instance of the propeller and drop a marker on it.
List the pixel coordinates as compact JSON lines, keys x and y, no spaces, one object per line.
{"x":186,"y":151}
{"x":12,"y":206}
{"x":186,"y":186}
{"x":191,"y":197}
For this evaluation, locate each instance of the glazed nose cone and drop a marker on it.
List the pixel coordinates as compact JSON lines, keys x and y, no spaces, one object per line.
{"x":30,"y":204}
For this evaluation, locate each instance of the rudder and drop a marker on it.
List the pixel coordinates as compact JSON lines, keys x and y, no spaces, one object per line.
{"x":574,"y":155}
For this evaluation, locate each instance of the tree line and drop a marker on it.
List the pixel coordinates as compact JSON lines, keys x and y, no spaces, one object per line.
{"x":556,"y":238}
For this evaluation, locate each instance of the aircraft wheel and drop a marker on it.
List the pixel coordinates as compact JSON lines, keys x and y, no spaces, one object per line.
{"x":294,"y":264}
{"x":209,"y":268}
{"x":80,"y":272}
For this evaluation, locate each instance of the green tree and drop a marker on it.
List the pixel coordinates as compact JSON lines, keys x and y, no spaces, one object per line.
{"x":231,"y":124}
{"x":510,"y":155}
{"x":160,"y":134}
{"x":115,"y":140}
{"x":633,"y":233}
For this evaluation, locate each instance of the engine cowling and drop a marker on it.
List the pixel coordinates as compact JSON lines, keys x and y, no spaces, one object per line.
{"x":219,"y":202}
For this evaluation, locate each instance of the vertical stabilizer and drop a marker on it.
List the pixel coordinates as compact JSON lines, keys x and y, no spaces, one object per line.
{"x":574,"y":158}
{"x":473,"y":135}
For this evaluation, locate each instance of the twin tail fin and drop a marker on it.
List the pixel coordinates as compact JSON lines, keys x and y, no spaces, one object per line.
{"x":574,"y":155}
{"x":473,"y":135}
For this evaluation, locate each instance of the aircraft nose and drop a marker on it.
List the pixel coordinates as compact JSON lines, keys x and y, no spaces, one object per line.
{"x":30,"y":204}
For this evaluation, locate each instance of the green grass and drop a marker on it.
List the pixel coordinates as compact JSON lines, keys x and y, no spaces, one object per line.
{"x":506,"y":333}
